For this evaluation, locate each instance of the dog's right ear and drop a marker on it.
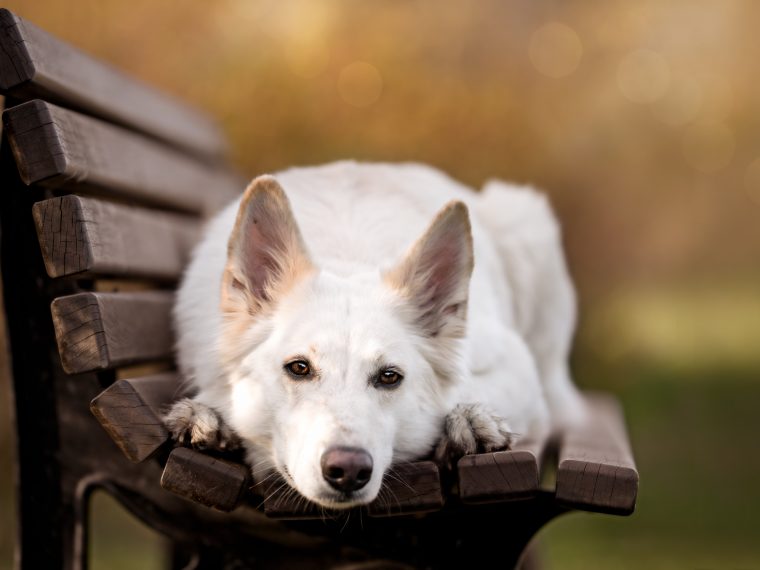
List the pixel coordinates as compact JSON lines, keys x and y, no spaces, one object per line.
{"x":435,"y":274}
{"x":265,"y":253}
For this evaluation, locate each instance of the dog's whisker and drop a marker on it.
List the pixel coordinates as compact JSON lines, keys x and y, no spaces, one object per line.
{"x":393,"y":475}
{"x":268,"y":477}
{"x":273,"y":493}
{"x":345,"y":524}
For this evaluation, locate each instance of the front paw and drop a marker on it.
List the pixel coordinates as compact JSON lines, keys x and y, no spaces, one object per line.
{"x":471,"y":428}
{"x":195,"y":424}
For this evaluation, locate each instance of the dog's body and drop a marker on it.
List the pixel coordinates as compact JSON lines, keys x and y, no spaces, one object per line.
{"x":354,"y":342}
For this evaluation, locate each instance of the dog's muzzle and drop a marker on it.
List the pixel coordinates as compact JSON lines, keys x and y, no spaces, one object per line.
{"x":346,"y":469}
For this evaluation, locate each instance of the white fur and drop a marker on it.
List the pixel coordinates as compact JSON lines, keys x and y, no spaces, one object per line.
{"x":358,"y":220}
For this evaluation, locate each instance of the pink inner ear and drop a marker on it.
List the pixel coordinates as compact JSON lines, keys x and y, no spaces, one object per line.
{"x":440,"y":273}
{"x":258,"y":258}
{"x":443,"y":262}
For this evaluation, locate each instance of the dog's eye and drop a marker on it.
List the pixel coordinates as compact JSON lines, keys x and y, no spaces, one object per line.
{"x":298,"y":368}
{"x":388,"y":378}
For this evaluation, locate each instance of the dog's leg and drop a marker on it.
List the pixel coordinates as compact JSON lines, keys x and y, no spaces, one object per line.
{"x":191,"y":422}
{"x":472,"y":428}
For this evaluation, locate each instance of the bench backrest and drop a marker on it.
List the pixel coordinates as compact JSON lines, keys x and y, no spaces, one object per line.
{"x":110,"y":181}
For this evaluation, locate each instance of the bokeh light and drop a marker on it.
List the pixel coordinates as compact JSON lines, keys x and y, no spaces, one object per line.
{"x":682,"y":102}
{"x":308,"y":60}
{"x":708,"y":146}
{"x":360,"y":84}
{"x":555,"y":50}
{"x":643,"y":76}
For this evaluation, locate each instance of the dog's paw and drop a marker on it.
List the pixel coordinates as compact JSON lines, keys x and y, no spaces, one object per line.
{"x":192,"y":423}
{"x":471,"y":428}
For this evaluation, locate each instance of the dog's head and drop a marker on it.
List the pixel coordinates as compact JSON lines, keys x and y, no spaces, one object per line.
{"x":332,"y":377}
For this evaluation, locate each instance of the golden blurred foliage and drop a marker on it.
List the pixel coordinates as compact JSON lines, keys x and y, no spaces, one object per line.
{"x":639,"y":118}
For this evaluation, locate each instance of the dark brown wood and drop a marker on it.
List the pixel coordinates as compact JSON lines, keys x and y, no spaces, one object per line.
{"x":98,"y":331}
{"x":87,"y":237}
{"x":596,"y":470}
{"x":282,"y":502}
{"x":501,"y":476}
{"x":409,"y":488}
{"x":130,"y":411}
{"x":207,"y":480}
{"x":61,"y":149}
{"x":35,"y":64}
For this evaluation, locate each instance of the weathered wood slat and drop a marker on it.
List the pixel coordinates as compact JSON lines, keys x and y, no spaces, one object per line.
{"x":97,"y":331}
{"x":283,"y":503}
{"x":501,"y":476}
{"x":207,"y":480}
{"x":596,"y":470}
{"x":34,"y":64}
{"x":58,"y":148}
{"x":409,"y":488}
{"x":83,"y":236}
{"x":130,"y":411}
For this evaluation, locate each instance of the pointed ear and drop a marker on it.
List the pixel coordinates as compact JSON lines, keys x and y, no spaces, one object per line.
{"x":265,"y":253}
{"x":434,"y":276}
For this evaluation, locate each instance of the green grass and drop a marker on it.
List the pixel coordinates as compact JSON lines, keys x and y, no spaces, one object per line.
{"x":695,"y":441}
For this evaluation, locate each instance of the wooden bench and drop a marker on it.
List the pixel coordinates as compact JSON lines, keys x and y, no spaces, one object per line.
{"x":106,"y":183}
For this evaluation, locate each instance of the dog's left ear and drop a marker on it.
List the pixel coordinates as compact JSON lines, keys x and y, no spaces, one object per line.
{"x":266,"y":253}
{"x":435,"y":274}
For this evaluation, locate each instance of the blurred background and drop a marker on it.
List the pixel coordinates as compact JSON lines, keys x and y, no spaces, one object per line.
{"x":640,"y":120}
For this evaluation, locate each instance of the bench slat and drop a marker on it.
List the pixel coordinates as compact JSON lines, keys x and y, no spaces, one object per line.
{"x":596,"y":470}
{"x":58,"y":148}
{"x":97,"y":331}
{"x":501,"y":476}
{"x":207,"y":480}
{"x":130,"y":411}
{"x":85,"y":237}
{"x":34,"y":64}
{"x":411,"y":488}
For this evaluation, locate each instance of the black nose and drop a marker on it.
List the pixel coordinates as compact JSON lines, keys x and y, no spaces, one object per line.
{"x":346,"y":468}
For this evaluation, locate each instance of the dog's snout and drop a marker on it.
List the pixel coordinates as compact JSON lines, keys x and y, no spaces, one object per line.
{"x":346,"y":468}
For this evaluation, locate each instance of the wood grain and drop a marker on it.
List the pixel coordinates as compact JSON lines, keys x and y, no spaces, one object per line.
{"x":87,"y":237}
{"x":130,"y":411}
{"x":502,"y":475}
{"x":282,"y":502}
{"x":35,"y":64}
{"x":97,"y":331}
{"x":409,"y":488}
{"x":596,"y":470}
{"x":61,"y":149}
{"x":207,"y":480}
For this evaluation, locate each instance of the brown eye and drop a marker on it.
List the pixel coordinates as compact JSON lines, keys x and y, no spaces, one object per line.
{"x":388,"y":378}
{"x":298,"y":368}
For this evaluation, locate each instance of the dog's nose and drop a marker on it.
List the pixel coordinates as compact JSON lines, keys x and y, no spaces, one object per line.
{"x":346,"y":468}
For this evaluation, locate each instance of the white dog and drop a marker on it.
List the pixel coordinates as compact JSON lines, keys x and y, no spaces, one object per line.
{"x":341,"y":318}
